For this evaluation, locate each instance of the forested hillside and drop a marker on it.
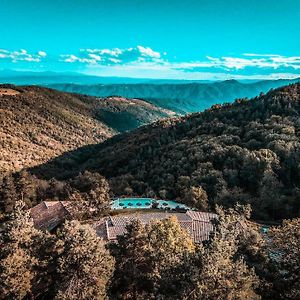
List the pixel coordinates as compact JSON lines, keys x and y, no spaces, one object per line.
{"x":245,"y":152}
{"x":37,"y":124}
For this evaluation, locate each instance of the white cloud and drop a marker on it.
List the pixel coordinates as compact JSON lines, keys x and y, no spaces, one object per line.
{"x":259,"y":55}
{"x":272,"y":61}
{"x":146,"y":62}
{"x":42,"y":53}
{"x":94,"y":56}
{"x":295,"y":60}
{"x":115,"y":60}
{"x":71,"y":58}
{"x":114,"y":55}
{"x":109,"y":52}
{"x":21,"y":55}
{"x":146,"y":51}
{"x":142,"y":56}
{"x":213,"y":68}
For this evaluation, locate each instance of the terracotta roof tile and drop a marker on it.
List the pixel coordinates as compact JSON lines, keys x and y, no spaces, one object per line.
{"x":201,"y":216}
{"x":201,"y":231}
{"x":48,"y":214}
{"x":197,"y":224}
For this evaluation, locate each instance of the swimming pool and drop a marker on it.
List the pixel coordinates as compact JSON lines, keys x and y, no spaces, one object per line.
{"x":144,"y":203}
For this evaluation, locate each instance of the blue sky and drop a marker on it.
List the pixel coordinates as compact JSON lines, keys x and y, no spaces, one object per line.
{"x":191,"y":39}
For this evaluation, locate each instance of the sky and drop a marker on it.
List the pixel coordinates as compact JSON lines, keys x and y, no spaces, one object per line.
{"x":175,"y":39}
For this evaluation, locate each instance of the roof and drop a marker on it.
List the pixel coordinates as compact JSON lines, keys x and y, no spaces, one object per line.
{"x":197,"y":224}
{"x":49,"y":214}
{"x":201,"y":216}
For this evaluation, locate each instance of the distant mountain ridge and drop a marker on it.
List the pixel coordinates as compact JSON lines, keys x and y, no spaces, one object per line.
{"x":181,"y":98}
{"x":48,"y":77}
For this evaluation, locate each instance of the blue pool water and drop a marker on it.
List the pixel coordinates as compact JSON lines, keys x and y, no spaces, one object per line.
{"x":122,"y":203}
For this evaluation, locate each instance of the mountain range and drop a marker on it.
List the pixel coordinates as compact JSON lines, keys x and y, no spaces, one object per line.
{"x":180,"y":97}
{"x":48,"y":77}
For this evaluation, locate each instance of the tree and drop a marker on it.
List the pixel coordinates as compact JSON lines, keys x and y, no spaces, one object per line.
{"x":57,"y":189}
{"x":26,"y":187}
{"x":150,"y":260}
{"x":170,"y":247}
{"x":163,"y":193}
{"x":197,"y":197}
{"x":23,"y":259}
{"x":222,"y":273}
{"x":128,"y":191}
{"x":8,"y":194}
{"x":95,"y":189}
{"x":131,"y":253}
{"x":84,"y":265}
{"x":16,"y":274}
{"x":285,"y":247}
{"x":269,"y":196}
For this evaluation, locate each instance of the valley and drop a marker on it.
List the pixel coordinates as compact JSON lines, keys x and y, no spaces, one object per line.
{"x":38,"y":124}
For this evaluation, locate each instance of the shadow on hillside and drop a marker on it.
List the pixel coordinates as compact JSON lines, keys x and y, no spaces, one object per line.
{"x":72,"y":162}
{"x":121,"y":122}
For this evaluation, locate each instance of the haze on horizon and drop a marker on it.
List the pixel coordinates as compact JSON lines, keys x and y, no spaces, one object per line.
{"x":194,"y":39}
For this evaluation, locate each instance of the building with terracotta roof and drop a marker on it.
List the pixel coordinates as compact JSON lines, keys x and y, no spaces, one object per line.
{"x":47,"y":215}
{"x":197,"y":224}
